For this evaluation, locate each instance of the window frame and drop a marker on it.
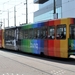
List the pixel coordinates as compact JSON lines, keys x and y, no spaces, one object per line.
{"x":65,"y":35}
{"x":49,"y":37}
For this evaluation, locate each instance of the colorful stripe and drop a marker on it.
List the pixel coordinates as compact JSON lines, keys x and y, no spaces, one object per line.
{"x":57,"y":48}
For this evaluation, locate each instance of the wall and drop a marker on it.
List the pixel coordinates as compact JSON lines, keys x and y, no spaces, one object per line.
{"x":68,"y":8}
{"x":46,"y":11}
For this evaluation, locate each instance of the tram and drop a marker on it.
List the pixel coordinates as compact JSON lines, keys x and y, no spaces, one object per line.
{"x":54,"y":38}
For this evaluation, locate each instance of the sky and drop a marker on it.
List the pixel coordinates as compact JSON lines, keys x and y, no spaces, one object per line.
{"x":7,"y":6}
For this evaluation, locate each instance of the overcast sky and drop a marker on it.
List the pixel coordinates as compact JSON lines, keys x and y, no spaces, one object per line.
{"x":8,"y":5}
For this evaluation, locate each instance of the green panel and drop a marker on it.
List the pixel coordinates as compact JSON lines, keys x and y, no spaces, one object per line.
{"x":27,"y":26}
{"x":70,"y":43}
{"x":25,"y":46}
{"x":29,"y":49}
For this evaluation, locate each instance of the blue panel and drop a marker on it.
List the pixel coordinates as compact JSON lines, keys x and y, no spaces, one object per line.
{"x":35,"y":25}
{"x":41,"y":46}
{"x":35,"y":46}
{"x":40,"y":24}
{"x":31,"y":46}
{"x":74,"y":45}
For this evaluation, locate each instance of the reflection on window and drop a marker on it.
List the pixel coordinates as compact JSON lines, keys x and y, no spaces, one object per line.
{"x":13,"y":34}
{"x":25,"y":34}
{"x":45,"y":32}
{"x":61,"y":32}
{"x":20,"y":34}
{"x":30,"y":33}
{"x":51,"y":32}
{"x":35,"y":34}
{"x":6,"y":34}
{"x":40,"y":33}
{"x":10,"y":34}
{"x":72,"y":31}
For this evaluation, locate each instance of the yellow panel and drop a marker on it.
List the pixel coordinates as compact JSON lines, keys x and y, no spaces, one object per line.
{"x":64,"y":21}
{"x":64,"y":42}
{"x":64,"y":45}
{"x":64,"y":55}
{"x":68,"y":24}
{"x":64,"y":48}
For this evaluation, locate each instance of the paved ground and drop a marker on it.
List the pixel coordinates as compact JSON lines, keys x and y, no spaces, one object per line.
{"x":22,"y":64}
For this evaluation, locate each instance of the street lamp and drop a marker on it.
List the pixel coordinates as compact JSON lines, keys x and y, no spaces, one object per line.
{"x":54,"y":7}
{"x":26,"y":11}
{"x":55,"y":14}
{"x":8,"y":18}
{"x":15,"y":16}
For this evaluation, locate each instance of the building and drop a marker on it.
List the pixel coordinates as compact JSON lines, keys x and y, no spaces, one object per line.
{"x":68,"y":8}
{"x":62,"y":9}
{"x":48,"y":9}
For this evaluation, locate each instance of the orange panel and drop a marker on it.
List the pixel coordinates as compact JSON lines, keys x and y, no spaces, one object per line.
{"x":57,"y":42}
{"x":57,"y":22}
{"x":57,"y":48}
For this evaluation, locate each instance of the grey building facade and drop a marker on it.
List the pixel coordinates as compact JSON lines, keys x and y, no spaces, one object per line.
{"x":47,"y":9}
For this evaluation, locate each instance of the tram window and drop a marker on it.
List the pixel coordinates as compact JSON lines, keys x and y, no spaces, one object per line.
{"x":72,"y":31}
{"x":38,"y":33}
{"x":45,"y":32}
{"x":61,"y":32}
{"x":30,"y":33}
{"x":34,"y":33}
{"x":51,"y":32}
{"x":20,"y":34}
{"x":6,"y":35}
{"x":41,"y":33}
{"x":25,"y":34}
{"x":13,"y":34}
{"x":10,"y":34}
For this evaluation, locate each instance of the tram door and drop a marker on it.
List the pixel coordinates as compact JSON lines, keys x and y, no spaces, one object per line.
{"x":61,"y":41}
{"x":71,"y":41}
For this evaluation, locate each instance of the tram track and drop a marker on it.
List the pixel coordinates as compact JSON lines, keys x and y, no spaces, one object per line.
{"x":41,"y":62}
